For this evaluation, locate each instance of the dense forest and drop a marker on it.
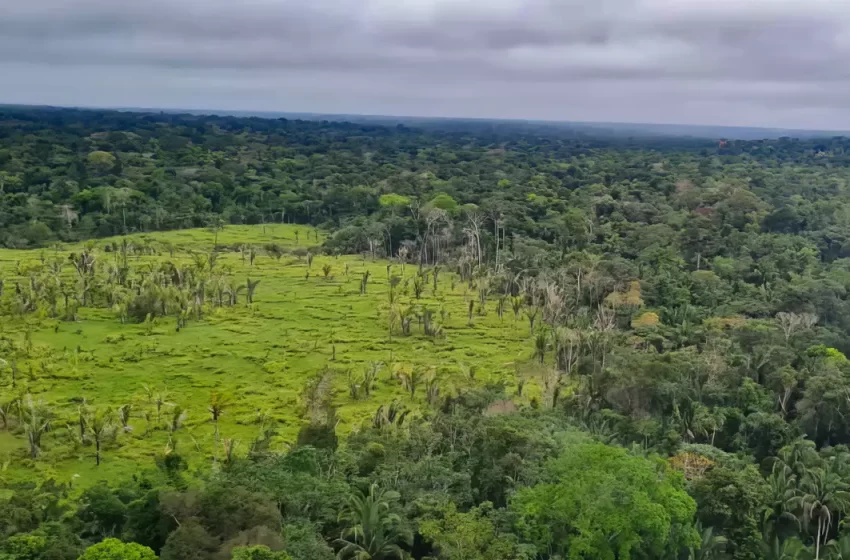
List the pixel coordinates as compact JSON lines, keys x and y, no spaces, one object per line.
{"x":686,"y":304}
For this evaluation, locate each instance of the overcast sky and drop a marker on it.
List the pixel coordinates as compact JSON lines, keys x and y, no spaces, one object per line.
{"x":779,"y":63}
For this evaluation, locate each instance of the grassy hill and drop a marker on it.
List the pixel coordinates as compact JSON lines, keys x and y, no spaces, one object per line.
{"x":306,"y":318}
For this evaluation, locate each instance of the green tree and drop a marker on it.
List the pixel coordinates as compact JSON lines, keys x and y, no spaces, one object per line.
{"x":733,"y":502}
{"x":258,"y":553}
{"x":468,"y":536}
{"x":102,"y":429}
{"x":23,"y":547}
{"x":582,"y":513}
{"x":189,"y":542}
{"x":113,"y":549}
{"x":445,"y":202}
{"x":373,"y":530}
{"x":101,"y":161}
{"x":823,"y":498}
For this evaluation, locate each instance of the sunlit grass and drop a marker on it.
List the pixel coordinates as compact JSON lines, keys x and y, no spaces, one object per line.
{"x":301,"y":322}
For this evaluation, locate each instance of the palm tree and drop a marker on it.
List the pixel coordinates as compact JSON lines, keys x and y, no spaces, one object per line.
{"x":101,"y":426}
{"x":410,"y":381}
{"x":218,"y":402}
{"x":711,"y":545}
{"x":823,"y":497}
{"x":82,"y":419}
{"x":215,"y":225}
{"x":36,"y":422}
{"x":789,"y":549}
{"x":779,"y":519}
{"x":251,"y":286}
{"x":541,"y":343}
{"x":178,"y":418}
{"x":373,"y":532}
{"x":160,"y":399}
{"x":799,"y":456}
{"x":125,"y":412}
{"x":840,"y":549}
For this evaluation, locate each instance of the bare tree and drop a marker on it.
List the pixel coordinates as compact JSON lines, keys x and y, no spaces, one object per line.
{"x":68,"y":214}
{"x":567,"y":343}
{"x":433,"y":220}
{"x":554,"y":309}
{"x":790,"y":323}
{"x":474,"y":224}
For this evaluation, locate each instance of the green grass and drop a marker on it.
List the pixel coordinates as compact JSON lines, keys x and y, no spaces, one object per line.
{"x":261,"y":355}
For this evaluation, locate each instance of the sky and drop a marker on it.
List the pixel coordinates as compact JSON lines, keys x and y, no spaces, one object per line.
{"x":773,"y":63}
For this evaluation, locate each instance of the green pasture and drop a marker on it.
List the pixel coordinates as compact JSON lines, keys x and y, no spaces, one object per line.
{"x":301,"y":322}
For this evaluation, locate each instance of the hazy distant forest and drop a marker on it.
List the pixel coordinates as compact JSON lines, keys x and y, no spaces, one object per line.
{"x":246,"y":338}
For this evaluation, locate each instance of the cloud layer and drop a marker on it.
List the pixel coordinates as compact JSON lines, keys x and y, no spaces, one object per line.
{"x":750,"y":62}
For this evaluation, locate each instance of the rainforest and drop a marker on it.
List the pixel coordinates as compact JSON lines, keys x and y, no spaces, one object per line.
{"x":236,"y":337}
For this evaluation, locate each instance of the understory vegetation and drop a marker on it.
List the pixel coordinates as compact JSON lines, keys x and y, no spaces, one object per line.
{"x":267,"y":339}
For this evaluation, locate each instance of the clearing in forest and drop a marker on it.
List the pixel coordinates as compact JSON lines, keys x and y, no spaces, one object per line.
{"x":310,"y":318}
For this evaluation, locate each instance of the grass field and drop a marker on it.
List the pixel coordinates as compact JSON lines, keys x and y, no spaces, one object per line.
{"x":301,"y":322}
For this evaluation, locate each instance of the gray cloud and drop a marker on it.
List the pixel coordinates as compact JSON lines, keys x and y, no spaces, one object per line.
{"x":748,"y":62}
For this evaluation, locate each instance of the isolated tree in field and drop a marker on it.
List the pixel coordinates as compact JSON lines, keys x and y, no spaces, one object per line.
{"x":370,"y":376}
{"x":101,"y":429}
{"x":432,"y":390}
{"x":176,"y":419}
{"x":517,"y":303}
{"x":218,"y":402}
{"x":419,"y":282}
{"x":215,"y":225}
{"x":36,"y":422}
{"x":317,"y":395}
{"x":403,"y":256}
{"x":83,"y":416}
{"x":392,"y":283}
{"x":373,"y":530}
{"x":125,"y":412}
{"x":168,"y":246}
{"x":411,"y":380}
{"x":158,"y":399}
{"x":251,"y":286}
{"x":364,"y":281}
{"x":273,"y":250}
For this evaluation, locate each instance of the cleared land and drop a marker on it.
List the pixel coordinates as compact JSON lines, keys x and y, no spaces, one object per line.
{"x":305,"y":317}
